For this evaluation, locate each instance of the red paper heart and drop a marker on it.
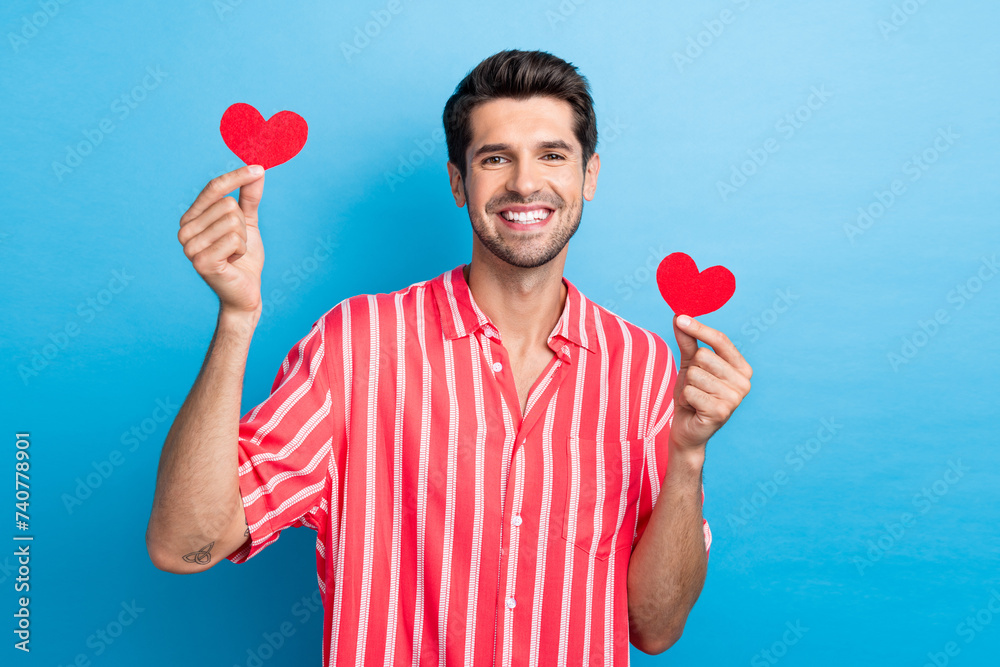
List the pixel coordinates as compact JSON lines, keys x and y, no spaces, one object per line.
{"x":689,"y":292}
{"x":256,"y":141}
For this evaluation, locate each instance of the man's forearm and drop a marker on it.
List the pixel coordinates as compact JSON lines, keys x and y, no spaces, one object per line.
{"x":197,"y":517}
{"x":667,"y":568}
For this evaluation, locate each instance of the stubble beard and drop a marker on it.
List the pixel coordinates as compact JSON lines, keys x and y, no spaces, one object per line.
{"x":534,"y":252}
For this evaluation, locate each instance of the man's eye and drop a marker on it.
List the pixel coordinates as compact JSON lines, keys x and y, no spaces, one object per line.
{"x":492,"y":157}
{"x":555,"y":155}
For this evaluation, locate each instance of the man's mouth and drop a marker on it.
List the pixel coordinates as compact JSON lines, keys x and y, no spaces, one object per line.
{"x":522,"y":217}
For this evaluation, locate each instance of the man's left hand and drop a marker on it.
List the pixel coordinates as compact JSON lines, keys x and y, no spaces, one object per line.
{"x":710,"y":383}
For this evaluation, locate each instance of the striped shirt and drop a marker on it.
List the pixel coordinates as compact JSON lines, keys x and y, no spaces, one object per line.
{"x":452,"y":529}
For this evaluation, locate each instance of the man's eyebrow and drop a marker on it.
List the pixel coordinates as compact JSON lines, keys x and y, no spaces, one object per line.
{"x":554,"y":144}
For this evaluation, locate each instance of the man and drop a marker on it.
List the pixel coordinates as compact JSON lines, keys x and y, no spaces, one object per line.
{"x":484,"y":455}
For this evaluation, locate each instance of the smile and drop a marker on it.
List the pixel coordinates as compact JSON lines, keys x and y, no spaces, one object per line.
{"x":523,"y":217}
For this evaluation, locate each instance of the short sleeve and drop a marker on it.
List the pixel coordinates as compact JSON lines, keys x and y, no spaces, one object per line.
{"x":656,"y":450}
{"x":285,"y":446}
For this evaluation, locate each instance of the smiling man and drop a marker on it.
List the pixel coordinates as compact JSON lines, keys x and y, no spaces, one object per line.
{"x":498,"y":470}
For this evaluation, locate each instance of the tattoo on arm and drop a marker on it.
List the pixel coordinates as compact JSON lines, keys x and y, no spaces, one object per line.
{"x":201,"y":556}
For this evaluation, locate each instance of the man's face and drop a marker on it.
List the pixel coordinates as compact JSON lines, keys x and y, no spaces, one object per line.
{"x":525,"y":181}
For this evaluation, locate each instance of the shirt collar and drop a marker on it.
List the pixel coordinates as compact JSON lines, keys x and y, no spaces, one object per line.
{"x":461,"y":316}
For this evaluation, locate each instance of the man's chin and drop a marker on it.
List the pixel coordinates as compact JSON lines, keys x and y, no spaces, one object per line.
{"x":523,"y":261}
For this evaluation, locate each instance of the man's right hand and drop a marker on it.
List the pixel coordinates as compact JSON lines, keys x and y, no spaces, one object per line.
{"x":221,"y":238}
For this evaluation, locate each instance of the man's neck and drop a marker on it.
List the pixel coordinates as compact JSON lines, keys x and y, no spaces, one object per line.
{"x":524,"y":304}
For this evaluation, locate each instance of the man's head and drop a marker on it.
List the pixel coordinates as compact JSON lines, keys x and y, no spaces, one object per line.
{"x":521,"y":133}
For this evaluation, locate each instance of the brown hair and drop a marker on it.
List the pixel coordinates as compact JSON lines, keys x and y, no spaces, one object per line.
{"x":518,"y":75}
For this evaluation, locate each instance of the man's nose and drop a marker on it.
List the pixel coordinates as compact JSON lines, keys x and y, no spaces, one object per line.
{"x":524,"y":178}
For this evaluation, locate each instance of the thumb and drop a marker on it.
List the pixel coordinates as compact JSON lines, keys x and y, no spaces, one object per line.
{"x":687,"y":344}
{"x":250,"y":195}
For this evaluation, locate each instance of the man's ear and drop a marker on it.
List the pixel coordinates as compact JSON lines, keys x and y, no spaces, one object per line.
{"x":457,"y":188}
{"x":590,"y":176}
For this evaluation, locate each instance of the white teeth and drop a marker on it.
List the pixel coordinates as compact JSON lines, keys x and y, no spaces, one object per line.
{"x":529,"y":217}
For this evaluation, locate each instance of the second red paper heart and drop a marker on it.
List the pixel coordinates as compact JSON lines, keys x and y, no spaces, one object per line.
{"x":256,"y":141}
{"x":690,"y":292}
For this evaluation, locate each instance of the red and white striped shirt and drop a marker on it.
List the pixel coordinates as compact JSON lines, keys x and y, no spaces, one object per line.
{"x":451,"y":529}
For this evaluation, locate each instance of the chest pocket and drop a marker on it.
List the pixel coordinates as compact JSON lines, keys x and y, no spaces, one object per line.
{"x":602,"y":483}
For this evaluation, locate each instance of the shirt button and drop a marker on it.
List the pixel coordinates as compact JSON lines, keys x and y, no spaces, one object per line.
{"x":511,"y":603}
{"x":516,"y":520}
{"x":497,"y":366}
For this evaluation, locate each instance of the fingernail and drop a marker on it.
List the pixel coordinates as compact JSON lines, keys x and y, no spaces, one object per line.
{"x":256,"y":170}
{"x":683,"y":320}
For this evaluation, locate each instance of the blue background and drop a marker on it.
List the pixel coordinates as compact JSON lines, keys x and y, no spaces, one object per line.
{"x":685,"y":95}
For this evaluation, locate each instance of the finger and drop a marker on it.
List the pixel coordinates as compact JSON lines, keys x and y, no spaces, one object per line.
{"x":707,"y":359}
{"x":214,"y":258}
{"x":686,"y":343}
{"x":220,"y":229}
{"x":250,"y":195}
{"x":712,"y":385}
{"x":219,"y":187}
{"x":226,"y":206}
{"x":709,"y":408}
{"x":718,"y":340}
